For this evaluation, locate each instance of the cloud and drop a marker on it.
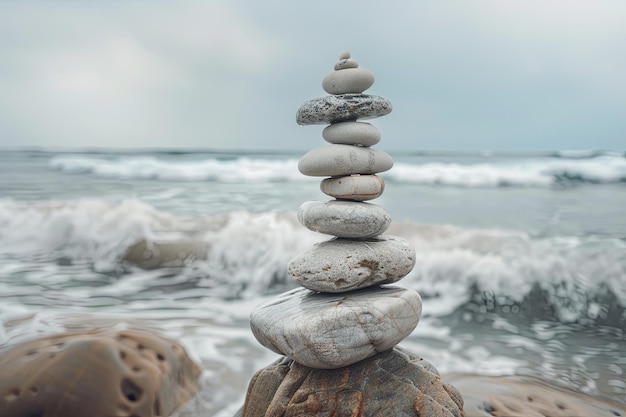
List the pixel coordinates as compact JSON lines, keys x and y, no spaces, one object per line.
{"x":231,"y":74}
{"x":137,"y":73}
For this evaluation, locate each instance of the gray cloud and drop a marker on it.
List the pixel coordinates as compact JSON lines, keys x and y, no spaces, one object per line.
{"x":488,"y":75}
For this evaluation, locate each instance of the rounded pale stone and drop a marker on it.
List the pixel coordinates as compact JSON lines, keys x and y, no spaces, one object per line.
{"x":337,"y":160}
{"x":341,"y":265}
{"x":354,"y":187}
{"x":348,"y":81}
{"x":345,"y":55}
{"x":351,"y":133}
{"x":346,"y":63}
{"x":347,"y":219}
{"x":329,"y":331}
{"x":340,"y":108}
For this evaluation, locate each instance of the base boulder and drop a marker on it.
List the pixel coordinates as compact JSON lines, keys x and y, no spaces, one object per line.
{"x":392,"y":383}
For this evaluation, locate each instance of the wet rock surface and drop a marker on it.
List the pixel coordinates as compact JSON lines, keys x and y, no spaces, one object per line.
{"x":392,"y":383}
{"x":95,"y":374}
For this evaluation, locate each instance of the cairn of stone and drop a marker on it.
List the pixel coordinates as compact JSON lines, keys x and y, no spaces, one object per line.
{"x":339,"y":331}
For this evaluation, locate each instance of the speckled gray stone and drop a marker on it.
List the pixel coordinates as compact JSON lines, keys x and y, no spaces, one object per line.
{"x":351,"y":133}
{"x":348,"y":81}
{"x":354,"y":187}
{"x":340,"y":108}
{"x":328,"y":331}
{"x":337,"y":160}
{"x":341,"y":265}
{"x":347,"y":219}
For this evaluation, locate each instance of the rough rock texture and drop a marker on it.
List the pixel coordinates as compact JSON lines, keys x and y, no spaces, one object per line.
{"x":390,"y":384}
{"x":340,"y":265}
{"x":334,"y":160}
{"x":329,"y":331}
{"x":349,"y":219}
{"x":526,"y":396}
{"x":332,"y":109}
{"x":95,"y":374}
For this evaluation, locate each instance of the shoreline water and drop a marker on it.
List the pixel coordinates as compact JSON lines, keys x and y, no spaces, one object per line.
{"x":524,"y":281}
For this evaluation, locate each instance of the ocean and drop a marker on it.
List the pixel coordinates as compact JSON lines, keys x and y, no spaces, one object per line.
{"x":521,"y":258}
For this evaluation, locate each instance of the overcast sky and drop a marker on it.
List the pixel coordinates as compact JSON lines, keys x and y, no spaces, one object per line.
{"x":462,"y":75}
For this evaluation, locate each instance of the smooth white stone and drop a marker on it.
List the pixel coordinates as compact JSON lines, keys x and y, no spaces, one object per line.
{"x":348,"y":81}
{"x":347,"y":219}
{"x":354,"y":187}
{"x":332,"y":109}
{"x":337,"y":160}
{"x":351,"y":133}
{"x":341,"y":265}
{"x":328,"y":331}
{"x":346,"y":63}
{"x":345,"y":55}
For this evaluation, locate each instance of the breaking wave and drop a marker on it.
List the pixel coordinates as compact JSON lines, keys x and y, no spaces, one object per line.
{"x":569,"y":168}
{"x":240,"y":255}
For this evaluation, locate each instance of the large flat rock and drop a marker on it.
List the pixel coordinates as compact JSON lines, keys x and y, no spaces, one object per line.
{"x":95,"y":374}
{"x":390,"y":384}
{"x":329,"y":331}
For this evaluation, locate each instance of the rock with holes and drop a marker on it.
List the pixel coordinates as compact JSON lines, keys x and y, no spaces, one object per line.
{"x":392,"y":383}
{"x":96,"y":374}
{"x":341,"y":265}
{"x":329,"y":331}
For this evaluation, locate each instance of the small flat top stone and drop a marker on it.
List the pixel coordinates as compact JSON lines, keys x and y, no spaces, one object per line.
{"x":329,"y":331}
{"x":345,"y":55}
{"x":340,"y":108}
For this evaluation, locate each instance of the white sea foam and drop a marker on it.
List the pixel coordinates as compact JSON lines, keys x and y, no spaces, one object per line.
{"x":533,"y":172}
{"x":242,"y":169}
{"x":248,"y":253}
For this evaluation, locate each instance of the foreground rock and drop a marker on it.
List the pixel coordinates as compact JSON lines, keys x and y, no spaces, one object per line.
{"x":392,"y":384}
{"x":95,"y":374}
{"x":526,"y":396}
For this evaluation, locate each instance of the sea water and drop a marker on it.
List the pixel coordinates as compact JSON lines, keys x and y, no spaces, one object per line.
{"x":521,"y":258}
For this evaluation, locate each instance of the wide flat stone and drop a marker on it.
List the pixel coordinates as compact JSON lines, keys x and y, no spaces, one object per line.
{"x":391,"y":384}
{"x":340,"y":108}
{"x":347,"y":219}
{"x":338,"y":160}
{"x":351,"y":133}
{"x":348,"y":81}
{"x":341,"y":265}
{"x":354,"y":187}
{"x":329,"y":331}
{"x":96,"y":374}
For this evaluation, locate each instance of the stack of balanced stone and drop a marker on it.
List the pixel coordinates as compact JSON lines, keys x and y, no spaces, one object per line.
{"x":338,"y":333}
